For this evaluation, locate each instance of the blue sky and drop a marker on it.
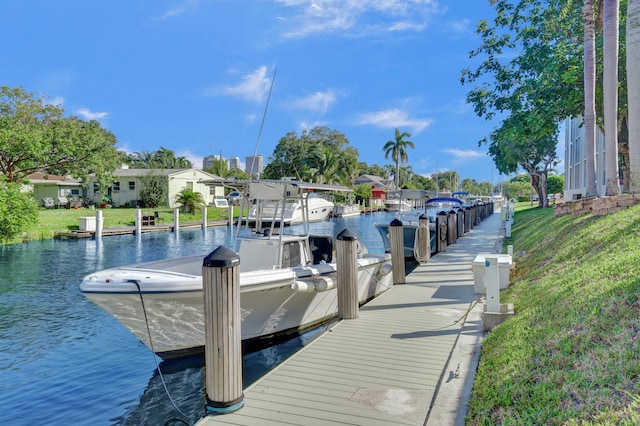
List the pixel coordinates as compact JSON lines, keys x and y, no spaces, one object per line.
{"x":194,"y":75}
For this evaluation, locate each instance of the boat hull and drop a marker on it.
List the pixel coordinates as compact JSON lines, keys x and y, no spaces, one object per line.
{"x":171,"y":323}
{"x":409,"y":237}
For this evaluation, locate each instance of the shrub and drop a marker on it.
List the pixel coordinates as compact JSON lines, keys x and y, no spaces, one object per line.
{"x":18,"y":210}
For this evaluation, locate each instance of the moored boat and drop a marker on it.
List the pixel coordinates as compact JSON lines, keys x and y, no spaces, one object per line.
{"x":287,"y":281}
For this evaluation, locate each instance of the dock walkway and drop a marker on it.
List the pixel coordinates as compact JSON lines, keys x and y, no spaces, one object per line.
{"x":409,"y":359}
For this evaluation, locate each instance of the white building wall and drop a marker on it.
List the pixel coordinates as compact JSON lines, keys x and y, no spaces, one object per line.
{"x":575,"y":172}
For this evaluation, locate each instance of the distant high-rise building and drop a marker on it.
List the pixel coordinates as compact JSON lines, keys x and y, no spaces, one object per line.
{"x":254,"y":165}
{"x":207,"y":162}
{"x":234,"y":163}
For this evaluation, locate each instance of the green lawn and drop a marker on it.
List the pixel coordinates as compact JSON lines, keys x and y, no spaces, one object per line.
{"x":571,"y":354}
{"x":56,"y":220}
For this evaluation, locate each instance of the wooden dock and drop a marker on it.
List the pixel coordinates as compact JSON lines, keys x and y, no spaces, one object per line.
{"x":130,"y":229}
{"x":388,"y":366}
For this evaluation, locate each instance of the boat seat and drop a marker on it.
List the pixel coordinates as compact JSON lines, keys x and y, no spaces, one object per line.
{"x":321,"y":247}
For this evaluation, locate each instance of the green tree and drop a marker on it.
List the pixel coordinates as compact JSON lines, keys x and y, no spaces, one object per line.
{"x":397,"y":150}
{"x":633,"y":81}
{"x":590,"y":95}
{"x":610,"y":92}
{"x":515,"y":145}
{"x":163,"y":158}
{"x":18,"y":210}
{"x":373,"y":170}
{"x":154,"y":190}
{"x":36,"y":136}
{"x":555,"y":184}
{"x":190,"y":200}
{"x":363,"y":192}
{"x":306,"y":155}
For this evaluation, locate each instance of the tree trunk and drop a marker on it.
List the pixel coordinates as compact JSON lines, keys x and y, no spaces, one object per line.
{"x":610,"y":89}
{"x":633,"y":90}
{"x":589,"y":96}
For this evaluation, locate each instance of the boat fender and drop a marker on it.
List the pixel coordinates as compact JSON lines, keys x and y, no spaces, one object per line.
{"x":303,"y":286}
{"x":325,"y":283}
{"x":384,"y":270}
{"x":362,"y":249}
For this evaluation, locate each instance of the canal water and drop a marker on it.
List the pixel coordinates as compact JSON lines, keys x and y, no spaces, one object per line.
{"x":64,"y":361}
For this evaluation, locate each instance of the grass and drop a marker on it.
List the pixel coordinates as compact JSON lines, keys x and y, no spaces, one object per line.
{"x":571,"y":354}
{"x":51,"y":221}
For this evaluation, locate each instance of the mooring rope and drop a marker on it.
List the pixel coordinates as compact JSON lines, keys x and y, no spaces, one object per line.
{"x":153,"y":352}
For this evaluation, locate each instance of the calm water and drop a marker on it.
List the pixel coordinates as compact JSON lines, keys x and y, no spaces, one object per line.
{"x":64,"y":361}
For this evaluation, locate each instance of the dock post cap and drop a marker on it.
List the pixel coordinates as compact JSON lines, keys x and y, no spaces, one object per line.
{"x":347,"y":235}
{"x":222,"y":257}
{"x":396,"y":222}
{"x":423,"y":217}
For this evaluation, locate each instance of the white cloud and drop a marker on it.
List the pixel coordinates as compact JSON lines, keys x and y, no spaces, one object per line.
{"x":254,"y":87}
{"x":359,"y":17}
{"x":318,"y":101}
{"x":90,"y":115}
{"x":57,"y":101}
{"x":170,"y":13}
{"x":394,"y":118}
{"x":464,"y":154}
{"x":308,"y":126}
{"x":196,"y":160}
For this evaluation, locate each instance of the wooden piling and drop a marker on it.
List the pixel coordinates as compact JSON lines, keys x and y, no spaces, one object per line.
{"x":138,"y":221}
{"x":176,"y":219}
{"x":204,"y":217}
{"x":223,"y":347}
{"x":441,"y":231}
{"x":99,"y":224}
{"x":396,"y":237}
{"x":422,"y":248}
{"x":347,"y":271}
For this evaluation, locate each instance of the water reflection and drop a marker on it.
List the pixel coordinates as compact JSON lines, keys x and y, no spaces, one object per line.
{"x":184,"y":381}
{"x":80,"y":362}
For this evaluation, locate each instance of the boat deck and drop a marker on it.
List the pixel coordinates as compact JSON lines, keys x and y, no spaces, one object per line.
{"x":399,"y":363}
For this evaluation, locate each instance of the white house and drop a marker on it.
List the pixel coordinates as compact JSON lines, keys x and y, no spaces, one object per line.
{"x":53,"y":187}
{"x":125,"y":189}
{"x":575,"y":169}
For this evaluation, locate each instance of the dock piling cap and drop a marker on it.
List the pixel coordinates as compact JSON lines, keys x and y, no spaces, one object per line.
{"x":396,"y":222}
{"x":347,"y":235}
{"x":222,"y":257}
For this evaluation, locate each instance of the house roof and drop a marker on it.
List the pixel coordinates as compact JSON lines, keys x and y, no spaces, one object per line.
{"x":42,"y":178}
{"x":123,"y":173}
{"x":375,"y":180}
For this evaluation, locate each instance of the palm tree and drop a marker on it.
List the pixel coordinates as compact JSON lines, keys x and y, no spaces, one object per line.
{"x":397,"y":149}
{"x":633,"y":87}
{"x":610,"y":91}
{"x":190,"y":200}
{"x":589,"y":95}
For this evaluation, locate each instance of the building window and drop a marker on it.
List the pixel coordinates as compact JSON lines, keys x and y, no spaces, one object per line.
{"x":190,"y":185}
{"x":132,"y":186}
{"x":116,"y":186}
{"x":75,"y":192}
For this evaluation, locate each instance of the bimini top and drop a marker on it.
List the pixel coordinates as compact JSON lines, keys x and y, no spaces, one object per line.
{"x":443,"y":200}
{"x":273,"y":189}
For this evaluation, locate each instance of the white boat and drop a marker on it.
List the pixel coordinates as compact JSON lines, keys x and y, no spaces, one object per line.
{"x":287,"y":282}
{"x":429,"y":207}
{"x":316,"y":209}
{"x":396,"y":205}
{"x":346,"y":208}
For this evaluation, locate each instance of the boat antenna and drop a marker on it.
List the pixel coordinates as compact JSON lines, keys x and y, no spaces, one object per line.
{"x":264,"y":115}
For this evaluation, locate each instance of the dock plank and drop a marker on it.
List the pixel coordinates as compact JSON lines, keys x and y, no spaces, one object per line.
{"x":383,"y":368}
